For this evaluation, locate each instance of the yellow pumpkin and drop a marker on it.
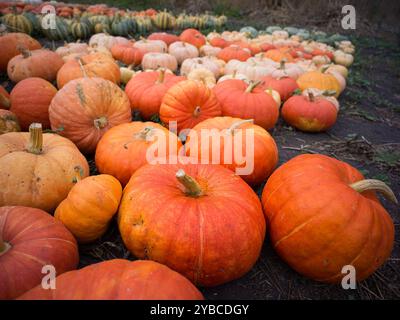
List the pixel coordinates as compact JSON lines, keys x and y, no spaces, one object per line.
{"x":319,"y":80}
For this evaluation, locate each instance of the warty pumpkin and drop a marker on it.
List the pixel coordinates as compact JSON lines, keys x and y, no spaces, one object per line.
{"x":323,"y":216}
{"x":85,"y":108}
{"x":200,"y":220}
{"x":30,"y":239}
{"x":8,"y":122}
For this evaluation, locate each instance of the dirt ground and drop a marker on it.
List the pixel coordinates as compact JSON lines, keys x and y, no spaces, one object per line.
{"x":367,"y":135}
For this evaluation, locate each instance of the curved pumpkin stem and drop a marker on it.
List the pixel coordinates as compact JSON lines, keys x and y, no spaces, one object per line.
{"x":145,"y":133}
{"x":252,"y":85}
{"x":192,"y":187}
{"x":100,"y":123}
{"x":323,"y":70}
{"x":376,"y":185}
{"x":36,"y":138}
{"x":161,"y":75}
{"x":5,"y":101}
{"x":82,"y":68}
{"x":237,"y":124}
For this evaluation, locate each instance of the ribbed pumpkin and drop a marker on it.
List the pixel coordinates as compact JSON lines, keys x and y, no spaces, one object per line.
{"x":127,"y":54}
{"x":37,"y":170}
{"x":260,"y":153}
{"x":147,"y":46}
{"x":168,"y":38}
{"x":193,"y":37}
{"x":10,"y":43}
{"x":80,"y":29}
{"x":278,"y":55}
{"x":30,"y":101}
{"x":182,"y":51}
{"x":155,"y":60}
{"x":85,"y":108}
{"x":8,"y":122}
{"x":147,"y":89}
{"x":323,"y":215}
{"x":4,"y":98}
{"x":30,"y":239}
{"x":40,"y":63}
{"x":17,"y":23}
{"x":91,"y":65}
{"x":247,"y":101}
{"x":319,"y":80}
{"x":119,"y":280}
{"x":233,"y":52}
{"x":285,"y":86}
{"x":124,"y":148}
{"x":188,"y":103}
{"x":90,"y":206}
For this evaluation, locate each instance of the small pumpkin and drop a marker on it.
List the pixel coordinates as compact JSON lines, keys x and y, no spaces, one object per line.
{"x":203,"y":75}
{"x":154,"y":61}
{"x":323,"y":215}
{"x":343,"y":58}
{"x":205,"y":62}
{"x":182,"y":51}
{"x":106,"y":40}
{"x":319,"y":80}
{"x":168,"y":38}
{"x":188,"y":103}
{"x":8,"y":122}
{"x":147,"y":46}
{"x":127,"y":54}
{"x":90,"y":206}
{"x":193,"y":37}
{"x":233,"y":53}
{"x":208,"y":50}
{"x":72,"y":48}
{"x":30,"y":239}
{"x":126,"y":74}
{"x":278,"y":55}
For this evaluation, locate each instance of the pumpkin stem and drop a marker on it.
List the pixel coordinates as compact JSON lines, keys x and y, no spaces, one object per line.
{"x":24,"y":51}
{"x":282,"y":64}
{"x":196,"y":111}
{"x":144,"y":134}
{"x":36,"y":138}
{"x":377,"y":185}
{"x":311,"y":96}
{"x":192,"y":187}
{"x":323,"y":70}
{"x":4,"y":246}
{"x":161,"y":75}
{"x":78,"y":174}
{"x":329,"y":93}
{"x":251,"y":86}
{"x":237,"y":124}
{"x":4,"y":101}
{"x":82,"y":68}
{"x":100,"y":123}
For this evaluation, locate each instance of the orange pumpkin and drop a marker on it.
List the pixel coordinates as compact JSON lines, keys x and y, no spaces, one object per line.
{"x":188,"y":103}
{"x":124,"y":148}
{"x":30,"y":101}
{"x":91,"y":65}
{"x":200,"y":220}
{"x":219,"y":42}
{"x":127,"y":54}
{"x":240,"y":100}
{"x":30,"y":239}
{"x":279,"y":54}
{"x":4,"y":98}
{"x":10,"y":45}
{"x":84,"y":109}
{"x":8,"y":122}
{"x":193,"y":37}
{"x":285,"y":86}
{"x":147,"y":89}
{"x":168,"y":38}
{"x":319,"y":80}
{"x":119,"y":279}
{"x":233,"y":52}
{"x":323,"y":216}
{"x":261,"y":160}
{"x":41,"y":63}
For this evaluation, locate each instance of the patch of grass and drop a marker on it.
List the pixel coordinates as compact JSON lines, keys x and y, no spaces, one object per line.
{"x":389,"y":158}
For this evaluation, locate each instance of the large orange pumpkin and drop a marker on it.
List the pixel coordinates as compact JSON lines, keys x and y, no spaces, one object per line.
{"x":119,"y":280}
{"x":200,"y":220}
{"x":188,"y":103}
{"x":323,"y":216}
{"x":241,"y":100}
{"x":319,"y":80}
{"x":84,"y":109}
{"x":40,"y":63}
{"x":30,"y":239}
{"x":147,"y":89}
{"x":123,"y":149}
{"x":91,"y":65}
{"x":193,"y":37}
{"x":30,"y":101}
{"x":260,"y":153}
{"x":10,"y":45}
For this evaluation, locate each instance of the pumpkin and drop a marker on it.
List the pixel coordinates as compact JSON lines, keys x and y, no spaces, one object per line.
{"x":106,"y":40}
{"x":319,"y":80}
{"x":193,"y":37}
{"x":147,"y":46}
{"x":90,"y":206}
{"x":10,"y":43}
{"x":338,"y":68}
{"x":286,"y":86}
{"x":17,"y":22}
{"x":205,"y":62}
{"x":203,"y":75}
{"x":146,"y":90}
{"x":309,"y":113}
{"x":252,"y":71}
{"x":343,"y":58}
{"x":90,"y":65}
{"x":182,"y":51}
{"x":4,"y":98}
{"x":119,"y":279}
{"x":124,"y":148}
{"x":233,"y":52}
{"x":30,"y":101}
{"x":168,"y":38}
{"x":8,"y":122}
{"x":323,"y":215}
{"x":240,"y":100}
{"x":260,"y":161}
{"x":86,"y":108}
{"x":127,"y":54}
{"x":219,"y":42}
{"x":284,"y":69}
{"x":188,"y":103}
{"x":275,"y":95}
{"x":30,"y":239}
{"x":72,"y":48}
{"x":208,"y":50}
{"x":278,"y":55}
{"x":126,"y":74}
{"x":41,"y":63}
{"x":36,"y":170}
{"x":154,"y":61}
{"x":234,"y":75}
{"x":181,"y":216}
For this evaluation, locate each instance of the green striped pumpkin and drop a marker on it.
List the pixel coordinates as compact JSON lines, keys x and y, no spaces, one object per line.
{"x":34,"y":20}
{"x":123,"y":27}
{"x":18,"y":23}
{"x":164,"y":20}
{"x":61,"y":32}
{"x":80,"y":30}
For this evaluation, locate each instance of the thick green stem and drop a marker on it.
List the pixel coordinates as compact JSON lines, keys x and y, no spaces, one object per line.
{"x":192,"y":187}
{"x":375,"y":185}
{"x":36,"y":138}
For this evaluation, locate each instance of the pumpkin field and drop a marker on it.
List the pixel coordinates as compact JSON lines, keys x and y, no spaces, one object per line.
{"x":191,"y":152}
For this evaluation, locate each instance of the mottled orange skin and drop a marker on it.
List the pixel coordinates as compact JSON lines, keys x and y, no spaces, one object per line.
{"x":181,"y":100}
{"x":211,"y":240}
{"x":319,"y":80}
{"x":119,"y":280}
{"x":90,"y":206}
{"x":122,"y":151}
{"x":319,"y":224}
{"x":30,"y":101}
{"x":193,"y":37}
{"x":233,"y":52}
{"x":36,"y":239}
{"x":257,"y":104}
{"x":146,"y":92}
{"x":77,"y":105}
{"x":310,"y":116}
{"x":265,"y":150}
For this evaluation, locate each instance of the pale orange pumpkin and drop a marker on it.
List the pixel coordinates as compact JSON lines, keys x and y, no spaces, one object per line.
{"x":182,"y":51}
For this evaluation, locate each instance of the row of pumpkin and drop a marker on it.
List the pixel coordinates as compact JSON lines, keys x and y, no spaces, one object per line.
{"x":200,"y":220}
